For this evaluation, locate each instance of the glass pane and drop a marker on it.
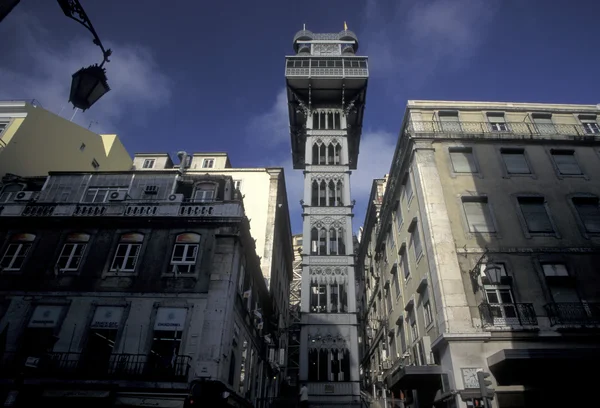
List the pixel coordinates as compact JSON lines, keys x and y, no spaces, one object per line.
{"x":100,"y":196}
{"x":505,"y":296}
{"x":566,"y":163}
{"x":536,"y":217}
{"x":478,"y":217}
{"x":516,"y":163}
{"x":492,"y":296}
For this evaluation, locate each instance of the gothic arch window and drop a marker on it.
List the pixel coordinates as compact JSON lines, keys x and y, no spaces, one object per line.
{"x":322,"y":154}
{"x":314,"y":241}
{"x":338,"y":194}
{"x":314,"y":200}
{"x":322,"y":241}
{"x":330,"y":153}
{"x":329,"y":120}
{"x":336,"y":121}
{"x":340,"y":241}
{"x":331,"y":190}
{"x":323,"y":194}
{"x":338,"y":154}
{"x":333,"y":245}
{"x":315,"y":153}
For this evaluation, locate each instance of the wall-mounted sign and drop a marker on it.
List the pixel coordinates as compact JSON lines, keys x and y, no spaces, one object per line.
{"x":45,"y":316}
{"x":170,"y":318}
{"x":107,"y":317}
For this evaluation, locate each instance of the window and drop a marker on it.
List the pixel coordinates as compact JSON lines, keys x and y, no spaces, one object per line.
{"x":561,"y":291}
{"x":72,"y":252}
{"x":185,"y":253}
{"x":462,"y":160}
{"x":204,"y":192}
{"x":449,"y":121}
{"x":590,"y":124}
{"x":237,"y":184}
{"x":95,"y":164}
{"x":148,"y":163}
{"x":127,"y":253}
{"x":16,"y":252}
{"x":326,"y":120}
{"x":327,"y":365}
{"x":479,"y":217}
{"x":318,"y":298}
{"x":588,"y":212}
{"x":565,"y":162}
{"x":396,"y":280}
{"x":405,"y":267}
{"x":408,"y":190}
{"x":515,"y":161}
{"x":415,"y":241}
{"x":535,"y":214}
{"x":497,"y":122}
{"x":9,"y":191}
{"x":208,"y":163}
{"x":100,"y":194}
{"x":427,"y":313}
{"x":82,"y":147}
{"x":414,"y":331}
{"x":543,"y":123}
{"x":326,"y":153}
{"x":242,"y":277}
{"x":502,"y":305}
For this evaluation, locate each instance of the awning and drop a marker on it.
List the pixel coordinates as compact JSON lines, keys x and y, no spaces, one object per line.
{"x":543,"y":366}
{"x":416,"y":377}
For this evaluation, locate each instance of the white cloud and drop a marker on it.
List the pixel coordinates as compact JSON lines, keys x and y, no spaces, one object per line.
{"x":415,"y":38}
{"x":42,"y":70}
{"x":272,"y":127}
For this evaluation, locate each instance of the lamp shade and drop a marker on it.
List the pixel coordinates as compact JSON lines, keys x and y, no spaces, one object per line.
{"x":87,"y":86}
{"x":493,"y":273}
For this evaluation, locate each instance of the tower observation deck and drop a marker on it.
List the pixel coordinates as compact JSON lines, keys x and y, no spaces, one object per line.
{"x":326,"y":87}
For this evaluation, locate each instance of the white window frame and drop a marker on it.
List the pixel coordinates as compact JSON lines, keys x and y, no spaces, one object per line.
{"x":108,"y":190}
{"x":497,"y":122}
{"x":148,"y":163}
{"x":208,"y":163}
{"x":501,"y":317}
{"x":129,"y":247}
{"x":183,"y":266}
{"x":71,"y":248}
{"x":237,"y":184}
{"x":590,"y":126}
{"x":22,"y":251}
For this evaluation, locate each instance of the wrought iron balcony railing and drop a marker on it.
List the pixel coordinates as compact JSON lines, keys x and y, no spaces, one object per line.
{"x":117,"y":367}
{"x":327,"y":67}
{"x":508,"y":130}
{"x":573,"y":313}
{"x":507,"y":314}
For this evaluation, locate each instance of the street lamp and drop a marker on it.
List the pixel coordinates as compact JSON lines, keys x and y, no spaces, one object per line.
{"x":493,"y":273}
{"x":88,"y":84}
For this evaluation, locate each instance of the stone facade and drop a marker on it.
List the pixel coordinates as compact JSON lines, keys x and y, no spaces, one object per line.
{"x":118,"y":299}
{"x":483,"y":256}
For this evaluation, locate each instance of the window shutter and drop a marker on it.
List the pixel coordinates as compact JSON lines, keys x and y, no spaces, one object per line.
{"x":589,"y":212}
{"x":516,"y":163}
{"x":566,"y":163}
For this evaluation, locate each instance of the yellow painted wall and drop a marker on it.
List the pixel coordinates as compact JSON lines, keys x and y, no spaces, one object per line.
{"x":46,"y":142}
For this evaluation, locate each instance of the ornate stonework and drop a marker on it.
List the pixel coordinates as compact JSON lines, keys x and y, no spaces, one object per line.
{"x":326,"y":50}
{"x":327,"y":275}
{"x":328,"y":222}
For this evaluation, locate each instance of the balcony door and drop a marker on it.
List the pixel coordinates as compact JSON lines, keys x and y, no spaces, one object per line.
{"x":101,"y":340}
{"x":166,"y":341}
{"x":502,"y":305}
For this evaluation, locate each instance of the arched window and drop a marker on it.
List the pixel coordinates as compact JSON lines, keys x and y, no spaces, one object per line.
{"x":16,"y":252}
{"x":315,"y":124}
{"x":314,"y":241}
{"x":322,"y":154}
{"x":314,"y":198}
{"x":205,"y":192}
{"x":338,"y":154}
{"x":127,"y":253}
{"x":330,"y":153}
{"x":323,"y":194}
{"x":333,"y":246}
{"x":323,"y":241}
{"x":330,"y":120}
{"x":336,"y":120}
{"x":72,"y":252}
{"x":185,"y":253}
{"x":338,"y":194}
{"x":331,"y":193}
{"x":341,"y":244}
{"x":322,"y":120}
{"x":315,"y":154}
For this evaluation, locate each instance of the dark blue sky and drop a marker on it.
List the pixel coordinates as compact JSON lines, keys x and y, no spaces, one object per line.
{"x":208,"y":76}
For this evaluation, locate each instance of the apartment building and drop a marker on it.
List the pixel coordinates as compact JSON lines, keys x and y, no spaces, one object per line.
{"x":34,"y":141}
{"x":264,"y":194}
{"x":484,"y":256}
{"x":121,"y":288}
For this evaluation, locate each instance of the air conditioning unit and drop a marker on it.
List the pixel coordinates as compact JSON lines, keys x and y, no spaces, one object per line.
{"x":386,"y":365}
{"x":151,"y":190}
{"x":24,"y":196}
{"x":175,"y":198}
{"x":117,"y":196}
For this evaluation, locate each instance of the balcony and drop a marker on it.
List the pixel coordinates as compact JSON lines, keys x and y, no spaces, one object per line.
{"x":503,"y":130}
{"x":326,"y":67}
{"x":507,"y":314}
{"x":578,"y":313}
{"x":132,"y":367}
{"x":122,"y":209}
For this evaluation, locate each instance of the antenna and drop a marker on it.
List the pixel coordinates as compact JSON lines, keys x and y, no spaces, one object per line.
{"x":76,"y":109}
